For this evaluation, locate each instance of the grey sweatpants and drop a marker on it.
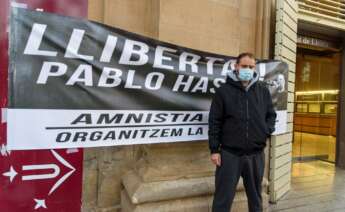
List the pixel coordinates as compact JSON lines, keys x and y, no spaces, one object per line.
{"x":251,"y":168}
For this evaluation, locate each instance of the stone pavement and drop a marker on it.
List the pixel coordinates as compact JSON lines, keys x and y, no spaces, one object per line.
{"x":316,"y":186}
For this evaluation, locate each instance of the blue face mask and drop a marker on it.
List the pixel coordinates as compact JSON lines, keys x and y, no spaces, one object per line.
{"x":245,"y":74}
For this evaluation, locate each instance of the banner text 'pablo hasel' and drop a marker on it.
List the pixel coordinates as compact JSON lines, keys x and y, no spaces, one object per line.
{"x":133,"y":53}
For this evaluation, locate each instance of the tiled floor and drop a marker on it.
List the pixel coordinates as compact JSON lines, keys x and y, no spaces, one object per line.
{"x":316,"y":186}
{"x":306,"y":145}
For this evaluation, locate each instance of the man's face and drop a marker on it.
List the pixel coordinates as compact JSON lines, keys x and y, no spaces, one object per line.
{"x":245,"y":62}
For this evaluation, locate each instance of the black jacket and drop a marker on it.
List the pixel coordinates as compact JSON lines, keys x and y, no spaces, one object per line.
{"x":241,"y":119}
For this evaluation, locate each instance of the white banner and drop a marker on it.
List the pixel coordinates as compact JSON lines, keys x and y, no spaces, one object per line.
{"x":54,"y":129}
{"x":76,"y":83}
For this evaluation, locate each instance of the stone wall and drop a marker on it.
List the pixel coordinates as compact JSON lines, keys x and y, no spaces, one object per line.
{"x":219,"y":26}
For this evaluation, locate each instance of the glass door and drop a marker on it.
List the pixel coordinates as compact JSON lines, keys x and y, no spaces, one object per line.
{"x":316,"y":99}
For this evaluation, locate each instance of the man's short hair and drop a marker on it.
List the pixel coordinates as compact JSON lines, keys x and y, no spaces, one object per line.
{"x":245,"y":54}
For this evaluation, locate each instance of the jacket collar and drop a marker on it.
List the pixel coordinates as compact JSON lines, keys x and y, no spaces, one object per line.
{"x":233,"y":80}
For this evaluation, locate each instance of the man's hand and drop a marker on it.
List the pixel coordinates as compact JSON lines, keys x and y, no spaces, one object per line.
{"x":216,"y":159}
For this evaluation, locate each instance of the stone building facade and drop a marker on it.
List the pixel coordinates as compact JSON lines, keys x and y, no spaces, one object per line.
{"x":175,"y":176}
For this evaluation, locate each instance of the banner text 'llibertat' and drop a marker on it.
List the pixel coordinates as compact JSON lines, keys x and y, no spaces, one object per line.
{"x":133,"y":54}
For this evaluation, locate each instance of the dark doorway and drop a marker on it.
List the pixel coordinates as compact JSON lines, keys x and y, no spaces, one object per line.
{"x":316,"y":103}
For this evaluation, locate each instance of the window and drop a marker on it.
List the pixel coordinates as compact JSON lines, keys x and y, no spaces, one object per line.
{"x":314,"y":108}
{"x":331,"y":108}
{"x":302,"y":108}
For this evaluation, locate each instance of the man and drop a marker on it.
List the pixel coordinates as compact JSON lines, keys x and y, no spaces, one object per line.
{"x":240,"y":121}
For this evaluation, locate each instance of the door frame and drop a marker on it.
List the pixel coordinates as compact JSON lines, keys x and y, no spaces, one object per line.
{"x":340,"y":142}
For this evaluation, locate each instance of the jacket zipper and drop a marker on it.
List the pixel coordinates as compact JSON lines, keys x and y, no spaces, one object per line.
{"x":247,"y":135}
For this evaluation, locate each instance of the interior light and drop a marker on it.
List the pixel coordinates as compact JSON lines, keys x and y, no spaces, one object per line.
{"x":317,"y":92}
